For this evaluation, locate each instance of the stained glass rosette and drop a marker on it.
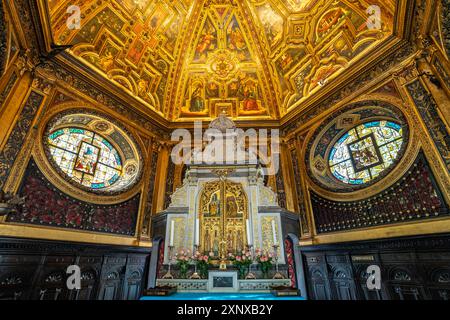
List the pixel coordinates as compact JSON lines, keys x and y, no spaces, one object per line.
{"x":364,"y":152}
{"x":86,"y":157}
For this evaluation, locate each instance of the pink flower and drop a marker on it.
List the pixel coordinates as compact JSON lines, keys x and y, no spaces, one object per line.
{"x":205,"y":258}
{"x":238,"y":258}
{"x":182,"y":252}
{"x":248,"y":254}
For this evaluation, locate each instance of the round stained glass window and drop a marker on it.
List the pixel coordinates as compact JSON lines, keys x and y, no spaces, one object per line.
{"x":86,"y":157}
{"x":364,"y":152}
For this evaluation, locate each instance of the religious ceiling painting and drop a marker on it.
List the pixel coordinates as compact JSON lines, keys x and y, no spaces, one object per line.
{"x":253,"y":59}
{"x":132,"y":43}
{"x":222,"y":72}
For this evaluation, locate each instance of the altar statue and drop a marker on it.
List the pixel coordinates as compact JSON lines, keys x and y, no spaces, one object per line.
{"x":239,"y":243}
{"x":214,"y":206}
{"x":232,"y":210}
{"x":207,"y":241}
{"x":216,"y":243}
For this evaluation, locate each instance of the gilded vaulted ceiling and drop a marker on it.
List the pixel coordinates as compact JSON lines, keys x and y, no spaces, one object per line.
{"x":254,"y":59}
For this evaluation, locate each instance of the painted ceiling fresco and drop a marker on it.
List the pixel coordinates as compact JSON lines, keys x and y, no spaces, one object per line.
{"x":253,"y":59}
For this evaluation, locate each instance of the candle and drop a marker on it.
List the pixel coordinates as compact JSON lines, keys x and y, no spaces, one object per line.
{"x":172,"y":230}
{"x":247,"y":224}
{"x":275,"y":240}
{"x":197,"y":231}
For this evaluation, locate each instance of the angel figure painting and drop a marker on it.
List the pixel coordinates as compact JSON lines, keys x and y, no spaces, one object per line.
{"x":206,"y":43}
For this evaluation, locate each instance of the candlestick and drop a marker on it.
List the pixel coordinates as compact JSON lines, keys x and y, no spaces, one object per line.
{"x":249,"y":240}
{"x":197,"y":232}
{"x":195,"y":275}
{"x":277,"y":275}
{"x":172,"y":229}
{"x":275,"y":240}
{"x":168,"y":275}
{"x":250,"y":275}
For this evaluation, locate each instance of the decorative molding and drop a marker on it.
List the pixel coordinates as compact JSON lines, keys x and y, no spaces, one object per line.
{"x":3,"y":40}
{"x":299,"y":192}
{"x":17,"y":137}
{"x":388,"y":63}
{"x":146,"y":219}
{"x":445,"y":27}
{"x":74,"y":81}
{"x":428,"y":110}
{"x":9,"y":86}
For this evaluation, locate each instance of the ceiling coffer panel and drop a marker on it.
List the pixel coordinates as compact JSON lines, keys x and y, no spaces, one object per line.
{"x":192,"y":59}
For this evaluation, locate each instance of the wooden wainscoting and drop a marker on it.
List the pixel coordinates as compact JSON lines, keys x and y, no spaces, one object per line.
{"x":412,"y":268}
{"x":36,"y":269}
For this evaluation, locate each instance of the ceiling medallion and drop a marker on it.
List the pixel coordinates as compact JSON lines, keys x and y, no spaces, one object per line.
{"x":223,"y":64}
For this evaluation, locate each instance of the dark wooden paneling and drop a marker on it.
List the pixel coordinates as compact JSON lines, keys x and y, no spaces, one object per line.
{"x":31,"y":269}
{"x":412,"y":268}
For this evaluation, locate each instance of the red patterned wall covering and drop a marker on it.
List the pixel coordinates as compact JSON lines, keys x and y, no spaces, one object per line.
{"x":290,"y":262}
{"x":46,"y":205}
{"x":416,"y":196}
{"x":160,"y":257}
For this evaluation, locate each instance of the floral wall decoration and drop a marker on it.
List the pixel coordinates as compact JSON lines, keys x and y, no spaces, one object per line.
{"x":46,"y":205}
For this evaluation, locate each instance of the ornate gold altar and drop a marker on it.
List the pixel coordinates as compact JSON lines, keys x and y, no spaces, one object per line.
{"x":223,"y":212}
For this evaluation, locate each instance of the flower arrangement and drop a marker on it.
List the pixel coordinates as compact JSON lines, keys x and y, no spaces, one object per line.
{"x":183,"y":259}
{"x":242,"y":261}
{"x":265,"y":261}
{"x":203,"y":262}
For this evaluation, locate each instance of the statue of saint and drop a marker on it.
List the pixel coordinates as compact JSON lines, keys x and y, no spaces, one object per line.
{"x":232,"y":208}
{"x":216,"y":246}
{"x":214,"y":206}
{"x":239,"y":244}
{"x":230,"y":242}
{"x":207,"y":241}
